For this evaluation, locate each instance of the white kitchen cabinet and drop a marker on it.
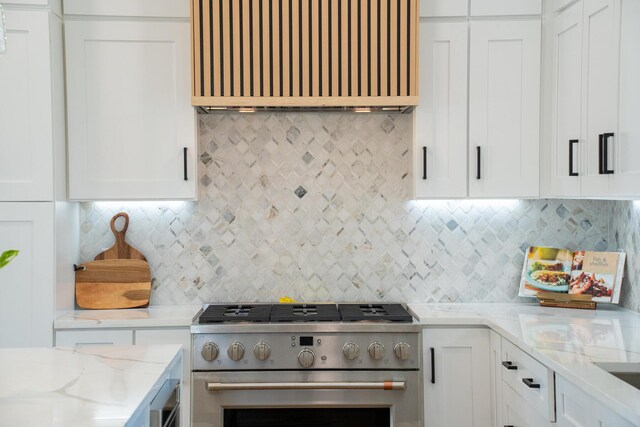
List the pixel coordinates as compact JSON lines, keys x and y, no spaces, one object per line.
{"x":82,"y":338}
{"x":27,"y":283}
{"x":477,"y":125}
{"x":440,"y":141}
{"x":26,"y":118}
{"x":505,"y":7}
{"x":626,"y":145}
{"x":575,"y":408}
{"x":561,"y":173}
{"x":504,"y":108}
{"x":456,"y":377}
{"x":132,"y":129}
{"x":444,"y":8}
{"x":517,"y":412}
{"x":495,"y":357}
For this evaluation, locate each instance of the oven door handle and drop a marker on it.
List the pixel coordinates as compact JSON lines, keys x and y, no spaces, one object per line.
{"x":378,"y":385}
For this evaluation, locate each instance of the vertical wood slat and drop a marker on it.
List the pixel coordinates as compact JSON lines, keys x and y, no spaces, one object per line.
{"x":335,"y":69}
{"x":384,"y":48}
{"x":246,"y":51}
{"x":295,"y":48}
{"x":393,"y":48}
{"x":413,"y":64}
{"x":403,"y":57}
{"x":373,"y":53}
{"x":282,"y":46}
{"x":323,"y":66}
{"x":236,"y":51}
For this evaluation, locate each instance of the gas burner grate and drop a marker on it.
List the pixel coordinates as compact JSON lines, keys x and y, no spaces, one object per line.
{"x":234,"y":313}
{"x":305,"y":313}
{"x":374,"y":313}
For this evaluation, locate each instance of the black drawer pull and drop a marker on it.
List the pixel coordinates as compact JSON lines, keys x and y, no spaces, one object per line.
{"x":605,"y":150}
{"x":529,"y":383}
{"x":571,"y":144}
{"x":509,"y":365}
{"x":601,"y":154}
{"x":433,"y":366}
{"x":184,"y":157}
{"x":478,"y":155}
{"x":424,"y":163}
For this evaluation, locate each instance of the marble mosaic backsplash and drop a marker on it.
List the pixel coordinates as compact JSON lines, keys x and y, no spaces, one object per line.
{"x":317,"y":207}
{"x":626,"y":236}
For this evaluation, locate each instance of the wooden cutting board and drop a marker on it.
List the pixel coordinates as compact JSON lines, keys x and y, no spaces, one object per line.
{"x":113,"y":283}
{"x":121,"y":249}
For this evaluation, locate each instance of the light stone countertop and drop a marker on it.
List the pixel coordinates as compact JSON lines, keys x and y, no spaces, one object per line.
{"x":91,"y":386}
{"x":150,"y":317}
{"x":568,"y":341}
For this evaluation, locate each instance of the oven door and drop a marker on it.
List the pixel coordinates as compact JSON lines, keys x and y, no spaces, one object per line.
{"x":307,"y":398}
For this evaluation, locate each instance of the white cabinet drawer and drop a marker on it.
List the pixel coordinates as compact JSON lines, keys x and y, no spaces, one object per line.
{"x":505,"y":7}
{"x":130,"y":8}
{"x":529,"y":378}
{"x":517,"y":412}
{"x":93,"y":337}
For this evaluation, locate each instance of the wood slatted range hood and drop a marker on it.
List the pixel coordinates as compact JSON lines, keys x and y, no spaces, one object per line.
{"x":358,"y":55}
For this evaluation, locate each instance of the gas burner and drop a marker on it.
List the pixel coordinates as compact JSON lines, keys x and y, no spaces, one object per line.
{"x":236,"y":313}
{"x":374,"y":313}
{"x":305,"y":313}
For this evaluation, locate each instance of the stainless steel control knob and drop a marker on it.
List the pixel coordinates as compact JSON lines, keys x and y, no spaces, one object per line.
{"x":209,"y":352}
{"x":306,"y":358}
{"x":262,"y":351}
{"x":351,"y":350}
{"x":235,"y":351}
{"x":376,"y":350}
{"x":402,"y":350}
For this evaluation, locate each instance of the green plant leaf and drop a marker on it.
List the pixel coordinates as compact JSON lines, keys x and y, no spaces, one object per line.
{"x":7,"y":256}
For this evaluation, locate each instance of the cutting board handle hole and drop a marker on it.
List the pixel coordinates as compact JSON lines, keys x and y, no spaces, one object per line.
{"x":122,"y":220}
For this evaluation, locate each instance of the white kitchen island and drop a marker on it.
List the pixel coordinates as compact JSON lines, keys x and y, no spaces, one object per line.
{"x":105,"y":386}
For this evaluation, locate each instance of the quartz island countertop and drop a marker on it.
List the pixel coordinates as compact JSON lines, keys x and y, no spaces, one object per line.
{"x":568,"y":341}
{"x":90,"y":386}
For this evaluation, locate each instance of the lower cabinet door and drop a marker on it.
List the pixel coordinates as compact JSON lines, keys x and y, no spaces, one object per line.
{"x":517,"y":412}
{"x":27,"y":282}
{"x":457,"y":380}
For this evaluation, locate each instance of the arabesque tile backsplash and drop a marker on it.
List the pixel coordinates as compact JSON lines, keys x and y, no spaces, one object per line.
{"x":317,"y":207}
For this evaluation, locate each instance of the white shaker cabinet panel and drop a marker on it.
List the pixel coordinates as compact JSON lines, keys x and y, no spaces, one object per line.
{"x":504,"y":109}
{"x":599,"y":87}
{"x":457,"y":379}
{"x":441,"y":118}
{"x":505,"y":7}
{"x":444,"y":8}
{"x":26,"y":126}
{"x":128,"y":8}
{"x":27,"y":282}
{"x":517,"y":412}
{"x":626,"y":145}
{"x":561,"y":173}
{"x":94,"y":337}
{"x":575,"y":408}
{"x":131,"y":126}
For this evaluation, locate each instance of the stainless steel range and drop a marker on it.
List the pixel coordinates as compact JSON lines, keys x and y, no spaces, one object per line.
{"x":306,"y":365}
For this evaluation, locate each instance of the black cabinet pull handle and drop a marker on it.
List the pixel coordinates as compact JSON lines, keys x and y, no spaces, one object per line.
{"x":605,"y":149}
{"x":184,"y":156}
{"x":433,"y":366}
{"x":478,"y":152}
{"x":529,"y":383}
{"x":571,"y":144}
{"x":600,"y":153}
{"x":509,"y":365}
{"x":424,"y":162}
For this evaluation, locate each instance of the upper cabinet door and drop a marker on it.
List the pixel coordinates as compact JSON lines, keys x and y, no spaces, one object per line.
{"x":132,"y":132}
{"x":599,"y":87}
{"x":504,"y":109}
{"x":441,"y":119}
{"x":26,"y":134}
{"x":626,"y":147}
{"x":27,"y":282}
{"x":561,"y":173}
